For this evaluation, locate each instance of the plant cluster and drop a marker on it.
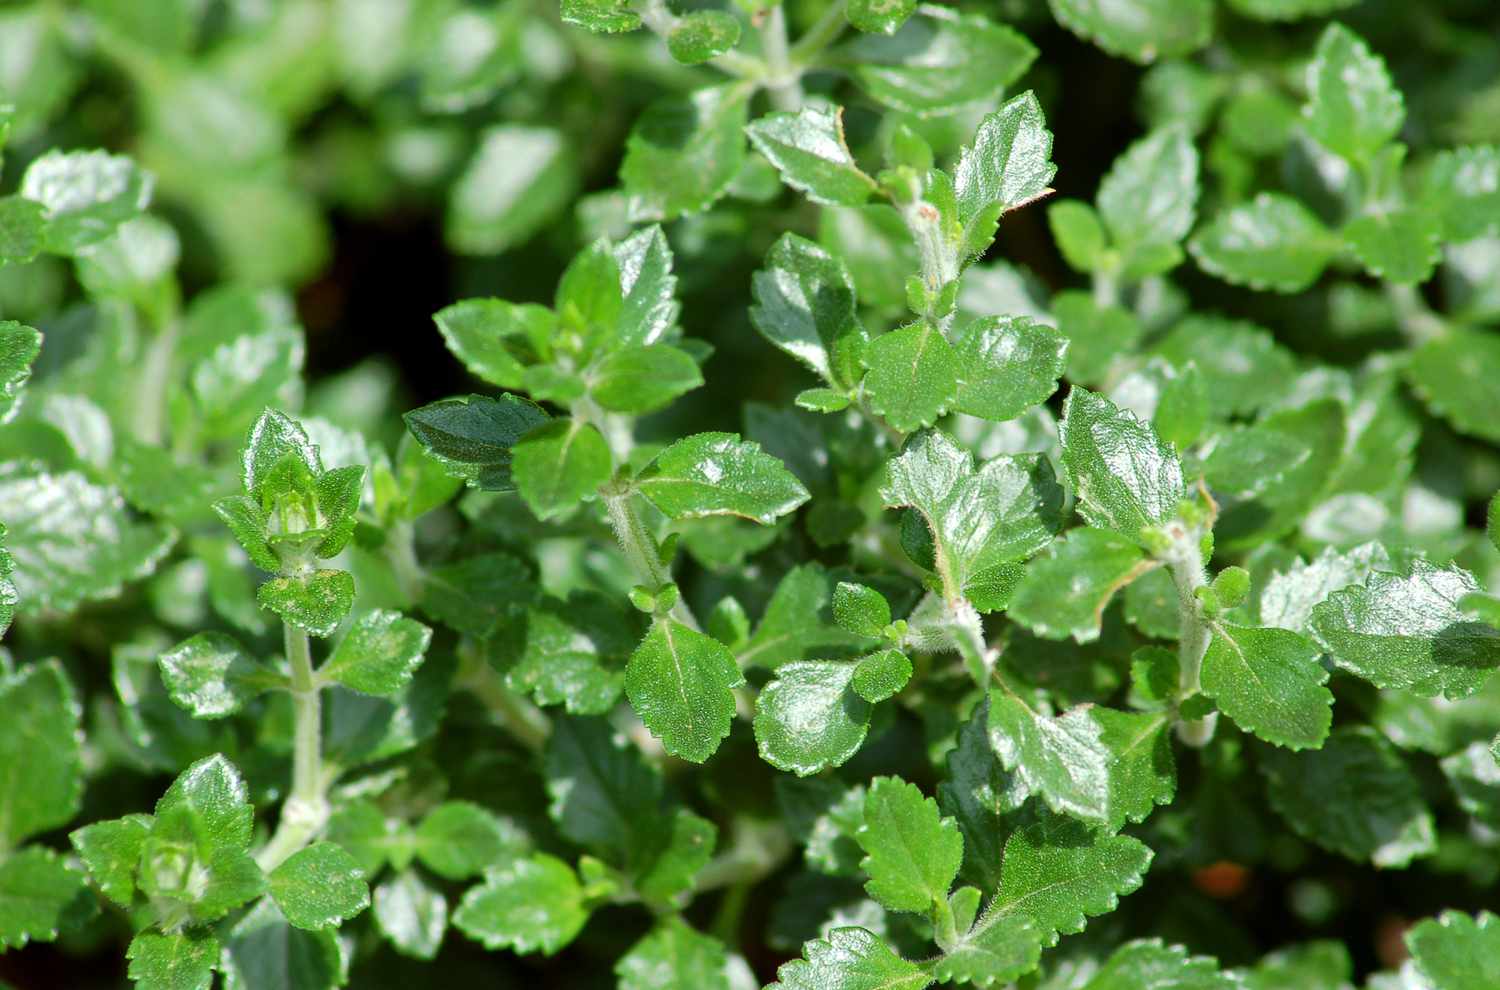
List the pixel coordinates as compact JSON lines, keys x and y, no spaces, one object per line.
{"x":1128,"y":627}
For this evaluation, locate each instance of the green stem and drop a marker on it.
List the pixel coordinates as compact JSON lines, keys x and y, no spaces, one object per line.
{"x":968,"y":637}
{"x":1185,"y":561}
{"x":642,"y":550}
{"x":1415,"y":318}
{"x":151,"y":395}
{"x":783,"y":80}
{"x":306,"y":808}
{"x":822,"y":34}
{"x":519,"y":717}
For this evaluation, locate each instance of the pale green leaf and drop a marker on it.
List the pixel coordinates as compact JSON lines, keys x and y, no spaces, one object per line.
{"x":1353,"y":109}
{"x":211,"y":676}
{"x":86,"y":195}
{"x":1141,"y":30}
{"x":1147,"y":200}
{"x":411,"y":914}
{"x":1397,"y":245}
{"x":701,"y":35}
{"x":710,"y":474}
{"x":532,"y":904}
{"x":556,"y":465}
{"x":937,"y":61}
{"x":684,"y":151}
{"x":1009,"y":164}
{"x":39,"y":896}
{"x":181,"y":961}
{"x":804,"y":304}
{"x":459,"y":839}
{"x":1061,"y":758}
{"x":1007,"y":364}
{"x":1124,"y":476}
{"x":519,"y":180}
{"x":111,"y":852}
{"x":19,"y":347}
{"x":1147,"y":964}
{"x":41,"y":756}
{"x":316,"y":602}
{"x":850,"y":959}
{"x":809,"y":718}
{"x":808,"y":149}
{"x":1457,"y":951}
{"x":673,"y":956}
{"x":913,"y":375}
{"x":319,"y":887}
{"x":1458,"y":375}
{"x":1271,"y":243}
{"x":1065,"y":590}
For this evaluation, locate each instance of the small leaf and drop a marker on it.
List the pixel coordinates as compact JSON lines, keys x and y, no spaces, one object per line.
{"x":182,"y":961}
{"x":980,"y":794}
{"x":913,"y":376}
{"x":1271,"y":683}
{"x":1409,"y":631}
{"x":604,"y":16}
{"x":684,"y":151}
{"x":1058,"y":874}
{"x":574,"y":653}
{"x":999,"y":946}
{"x":485,"y":334}
{"x":804,"y":304}
{"x":411,"y":914}
{"x":1008,"y":364}
{"x":1140,"y":30}
{"x":1143,"y":772}
{"x":19,"y":347}
{"x":1235,"y":359}
{"x":879,"y":16}
{"x":850,"y":959}
{"x":86,"y":195}
{"x":1147,"y":963}
{"x":808,"y":149}
{"x":1458,"y":375}
{"x":712,"y":474}
{"x":1124,"y":476}
{"x":1063,"y":759}
{"x":1457,"y":952}
{"x":674,"y":957}
{"x":211,"y":676}
{"x":702,"y":35}
{"x":532,"y":904}
{"x":643,"y":379}
{"x":1289,"y":596}
{"x":262,"y":950}
{"x":912,"y":854}
{"x":40,"y":751}
{"x":319,"y":887}
{"x":809,"y":719}
{"x":474,"y":437}
{"x":795,"y":624}
{"x":23,"y":230}
{"x":316,"y":603}
{"x":1065,"y":591}
{"x":493,"y":206}
{"x":111,"y":852}
{"x":1353,"y":109}
{"x":558,"y":464}
{"x":938,"y":61}
{"x":1355,"y":796}
{"x":1402,"y":245}
{"x":1078,"y":232}
{"x":379,"y":653}
{"x":1147,"y":200}
{"x":1271,"y":243}
{"x":459,"y":839}
{"x":603,"y":794}
{"x":39,"y":895}
{"x":881,"y":675}
{"x":680,"y":682}
{"x":649,"y":308}
{"x":1462,"y":187}
{"x":860,"y":609}
{"x":1009,"y":163}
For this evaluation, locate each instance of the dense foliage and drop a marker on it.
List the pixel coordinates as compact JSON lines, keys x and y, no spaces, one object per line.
{"x":882,"y":560}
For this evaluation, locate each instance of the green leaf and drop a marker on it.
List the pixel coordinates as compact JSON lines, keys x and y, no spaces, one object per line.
{"x":879,"y":16}
{"x":73,"y":541}
{"x":1271,"y":243}
{"x":1007,"y":365}
{"x":649,"y":308}
{"x":1147,"y":200}
{"x":860,"y":609}
{"x":277,"y":450}
{"x":493,"y":205}
{"x":1288,"y":10}
{"x":379,"y":653}
{"x":795,"y":623}
{"x":1408,"y":631}
{"x":680,"y":682}
{"x":684,"y":151}
{"x":211,"y":676}
{"x":804,"y":304}
{"x":1124,"y":476}
{"x":605,"y":16}
{"x":980,"y":795}
{"x":486,"y":334}
{"x":1143,"y":772}
{"x":40,"y":751}
{"x":317,"y":602}
{"x":411,"y":914}
{"x":1065,"y":591}
{"x":558,"y":464}
{"x":474,"y":437}
{"x":239,"y":378}
{"x":1270,"y":682}
{"x":319,"y":887}
{"x":459,"y":839}
{"x":1062,"y":758}
{"x":590,"y":295}
{"x":912,"y":854}
{"x":849,"y":959}
{"x":1146,"y":964}
{"x":603,"y":794}
{"x":1289,"y":596}
{"x":39,"y":897}
{"x":808,"y":149}
{"x":1235,"y":359}
{"x":642,"y":379}
{"x":1462,"y":187}
{"x":574,"y":653}
{"x":1458,"y":375}
{"x":1008,"y":165}
{"x":1355,"y":796}
{"x":19,"y":347}
{"x":479,"y":594}
{"x":1000,"y":514}
{"x":999,"y":946}
{"x":1456,"y":951}
{"x":913,"y":375}
{"x":181,"y":961}
{"x":529,"y":905}
{"x":23,"y":230}
{"x":881,"y":675}
{"x":938,"y":61}
{"x":1400,"y":245}
{"x":701,"y":35}
{"x":86,"y":195}
{"x":674,"y":957}
{"x":1059,"y":874}
{"x":1353,"y":109}
{"x":1474,"y":775}
{"x":1078,"y":232}
{"x":263,"y":951}
{"x":715,"y":474}
{"x":809,"y":718}
{"x":111,"y":852}
{"x":1140,"y":30}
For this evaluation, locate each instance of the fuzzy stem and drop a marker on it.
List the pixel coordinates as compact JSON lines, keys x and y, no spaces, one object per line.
{"x":642,"y":551}
{"x":306,"y":808}
{"x":1186,"y":564}
{"x":783,"y":81}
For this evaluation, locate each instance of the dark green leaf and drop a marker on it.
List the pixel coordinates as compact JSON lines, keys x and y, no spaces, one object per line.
{"x":474,"y":437}
{"x":701,"y":35}
{"x":685,"y":151}
{"x":1007,"y":365}
{"x":1271,"y":683}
